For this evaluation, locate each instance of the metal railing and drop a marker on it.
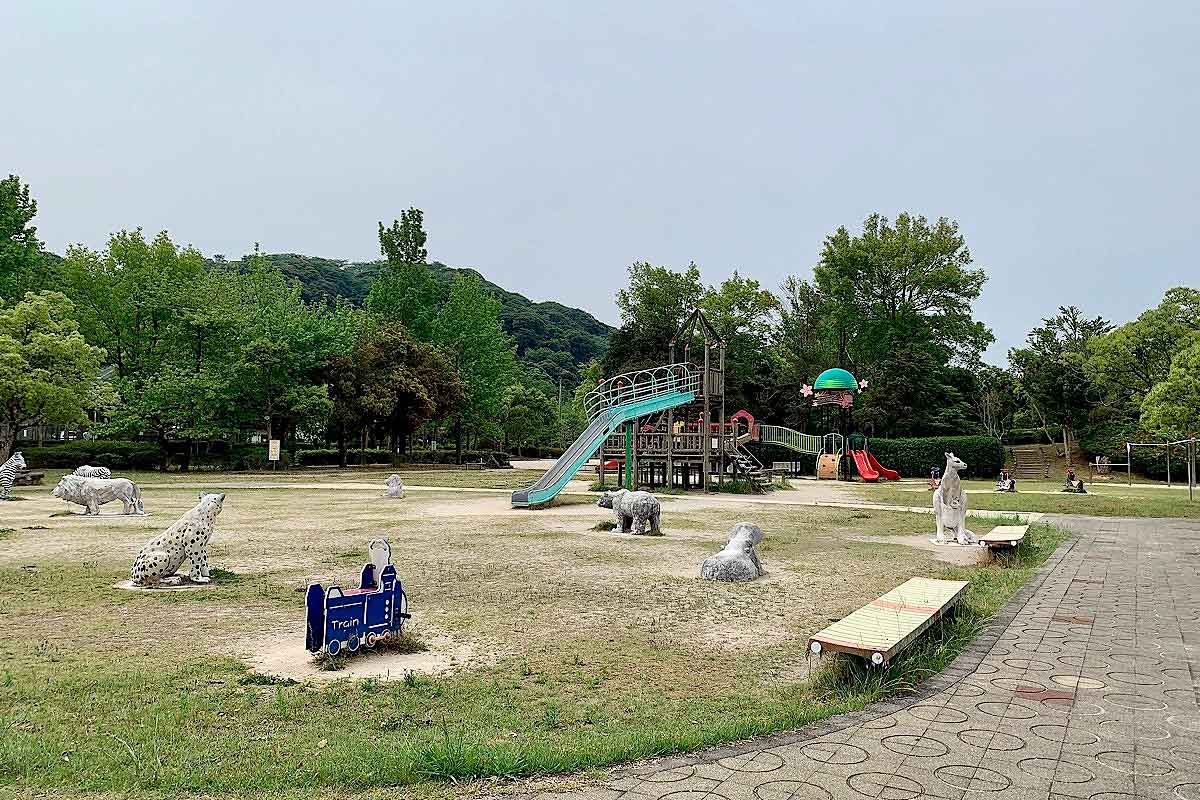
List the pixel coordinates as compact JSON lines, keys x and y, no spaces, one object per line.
{"x":800,"y":442}
{"x":643,"y":384}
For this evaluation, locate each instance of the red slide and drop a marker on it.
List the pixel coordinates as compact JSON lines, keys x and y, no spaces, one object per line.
{"x":883,"y":471}
{"x":865,"y":469}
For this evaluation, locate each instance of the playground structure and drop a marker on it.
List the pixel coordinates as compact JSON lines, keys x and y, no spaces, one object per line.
{"x":1189,"y":445}
{"x":666,"y":426}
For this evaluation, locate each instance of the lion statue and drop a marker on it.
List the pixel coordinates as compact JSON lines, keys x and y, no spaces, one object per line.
{"x":950,"y":504}
{"x":634,"y":510}
{"x":186,"y":540}
{"x":91,"y":493}
{"x":738,"y":561}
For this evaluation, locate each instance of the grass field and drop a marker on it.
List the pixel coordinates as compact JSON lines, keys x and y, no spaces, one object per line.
{"x":568,"y":648}
{"x":1103,"y":499}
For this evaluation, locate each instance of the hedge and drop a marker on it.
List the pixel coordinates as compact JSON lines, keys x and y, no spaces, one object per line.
{"x":99,"y":453}
{"x":913,"y":458}
{"x":329,"y":457}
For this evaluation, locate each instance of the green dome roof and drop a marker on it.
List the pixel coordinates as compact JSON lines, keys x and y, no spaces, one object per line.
{"x":835,"y":378}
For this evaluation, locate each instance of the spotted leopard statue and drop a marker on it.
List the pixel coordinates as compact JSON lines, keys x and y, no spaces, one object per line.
{"x":186,"y":540}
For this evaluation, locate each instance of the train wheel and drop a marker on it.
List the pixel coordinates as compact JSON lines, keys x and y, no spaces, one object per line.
{"x":334,"y":646}
{"x":372,"y":638}
{"x":354,"y":643}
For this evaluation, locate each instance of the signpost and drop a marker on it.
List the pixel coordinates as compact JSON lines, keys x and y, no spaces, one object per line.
{"x":273,"y":452}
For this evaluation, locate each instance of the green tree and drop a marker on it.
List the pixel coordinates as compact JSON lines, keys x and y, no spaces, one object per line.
{"x":746,"y":316}
{"x":996,"y":400}
{"x":48,"y":372}
{"x":469,"y":328}
{"x":896,"y":302}
{"x":653,"y":305}
{"x":1172,"y":408}
{"x":1050,"y":370}
{"x":404,"y":290}
{"x":1127,"y":362}
{"x":529,"y":417}
{"x":20,"y":250}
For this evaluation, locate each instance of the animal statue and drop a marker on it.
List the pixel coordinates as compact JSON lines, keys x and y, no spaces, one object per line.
{"x":395,"y":487}
{"x":91,"y":493}
{"x":93,"y":472}
{"x":634,"y":510}
{"x":186,"y":540}
{"x":8,"y":473}
{"x":737,"y":561}
{"x":950,"y":504}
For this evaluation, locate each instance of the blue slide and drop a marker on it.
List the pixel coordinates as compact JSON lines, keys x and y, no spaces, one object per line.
{"x":606,"y":422}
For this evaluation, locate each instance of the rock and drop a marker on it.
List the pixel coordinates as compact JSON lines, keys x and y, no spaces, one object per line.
{"x":186,"y":540}
{"x":395,"y":487}
{"x":738,"y":560}
{"x":91,"y":493}
{"x":634,"y":510}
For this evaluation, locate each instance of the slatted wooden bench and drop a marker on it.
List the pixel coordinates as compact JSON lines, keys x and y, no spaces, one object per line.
{"x":1002,"y":537}
{"x":885,"y":626}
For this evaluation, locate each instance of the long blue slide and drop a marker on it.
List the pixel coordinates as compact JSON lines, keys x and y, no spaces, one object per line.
{"x":606,"y":422}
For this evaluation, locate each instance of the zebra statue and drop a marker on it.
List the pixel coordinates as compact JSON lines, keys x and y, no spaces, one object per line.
{"x":93,"y":472}
{"x":8,"y":472}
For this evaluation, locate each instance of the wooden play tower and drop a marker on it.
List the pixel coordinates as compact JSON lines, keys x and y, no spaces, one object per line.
{"x":686,"y":446}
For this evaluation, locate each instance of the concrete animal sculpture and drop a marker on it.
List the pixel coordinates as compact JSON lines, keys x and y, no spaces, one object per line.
{"x":634,"y":510}
{"x":738,"y":560}
{"x":950,"y":504}
{"x":186,"y":540}
{"x":91,"y":493}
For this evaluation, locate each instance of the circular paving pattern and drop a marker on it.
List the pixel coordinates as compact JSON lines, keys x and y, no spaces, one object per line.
{"x":885,"y":786}
{"x":1135,"y":702}
{"x":1050,"y":769}
{"x":1028,"y":663}
{"x":757,"y":761}
{"x":1187,"y":722}
{"x":1061,"y":734}
{"x":972,"y":779}
{"x":670,"y":775}
{"x":991,"y":740}
{"x":1042,"y":648}
{"x":1188,"y":791}
{"x":1119,"y":731}
{"x":1013,"y":684}
{"x":1140,"y":764}
{"x":1065,"y":705}
{"x":968,"y":689}
{"x":790,"y":790}
{"x":1003,"y":710}
{"x":880,"y":724}
{"x":1078,"y":682}
{"x":950,"y":716}
{"x":919,"y":746}
{"x":693,"y":794}
{"x":834,"y":753}
{"x":1135,"y":678}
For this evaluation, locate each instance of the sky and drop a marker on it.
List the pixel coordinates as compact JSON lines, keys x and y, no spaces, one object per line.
{"x":552,"y":144}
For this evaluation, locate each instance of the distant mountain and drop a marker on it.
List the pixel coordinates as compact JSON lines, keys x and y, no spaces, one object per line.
{"x":555,"y":338}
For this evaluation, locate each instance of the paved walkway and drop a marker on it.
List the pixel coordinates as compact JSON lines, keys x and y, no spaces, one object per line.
{"x":1085,"y":687}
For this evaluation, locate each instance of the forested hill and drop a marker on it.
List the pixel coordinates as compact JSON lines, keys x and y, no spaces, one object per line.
{"x":540,"y":329}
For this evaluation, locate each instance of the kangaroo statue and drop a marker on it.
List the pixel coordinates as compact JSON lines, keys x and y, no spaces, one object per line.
{"x":950,"y":504}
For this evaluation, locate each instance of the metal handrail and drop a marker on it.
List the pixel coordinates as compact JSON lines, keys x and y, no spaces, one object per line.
{"x":642,"y":384}
{"x":800,"y":442}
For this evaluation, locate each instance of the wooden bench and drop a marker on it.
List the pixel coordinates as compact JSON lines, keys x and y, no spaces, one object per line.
{"x":1003,"y":537}
{"x":28,"y":478}
{"x":473,"y":464}
{"x":885,"y":626}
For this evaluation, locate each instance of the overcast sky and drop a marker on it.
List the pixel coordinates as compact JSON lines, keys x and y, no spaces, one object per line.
{"x":552,"y":144}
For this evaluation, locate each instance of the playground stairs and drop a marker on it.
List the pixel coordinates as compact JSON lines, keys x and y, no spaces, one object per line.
{"x":749,"y":466}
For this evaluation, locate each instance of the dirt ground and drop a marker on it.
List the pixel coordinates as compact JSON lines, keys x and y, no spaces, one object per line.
{"x":486,"y":582}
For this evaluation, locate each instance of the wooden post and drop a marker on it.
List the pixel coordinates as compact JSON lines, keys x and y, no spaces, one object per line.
{"x":705,"y":433}
{"x":721,"y":435}
{"x":667,"y":474}
{"x":631,"y":471}
{"x":1129,"y":463}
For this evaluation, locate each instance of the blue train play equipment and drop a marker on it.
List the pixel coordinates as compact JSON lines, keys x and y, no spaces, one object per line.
{"x":347,"y":619}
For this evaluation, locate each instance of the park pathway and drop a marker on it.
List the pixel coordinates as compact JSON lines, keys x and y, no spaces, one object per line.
{"x":1084,"y":687}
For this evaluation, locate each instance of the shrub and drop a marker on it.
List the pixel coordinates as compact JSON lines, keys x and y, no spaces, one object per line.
{"x":1033,"y":435}
{"x":913,"y":458}
{"x":329,"y":457}
{"x":114,"y":454}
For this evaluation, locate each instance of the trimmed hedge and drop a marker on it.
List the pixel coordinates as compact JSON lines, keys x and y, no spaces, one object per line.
{"x":99,"y":453}
{"x":329,"y":457}
{"x":913,"y":458}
